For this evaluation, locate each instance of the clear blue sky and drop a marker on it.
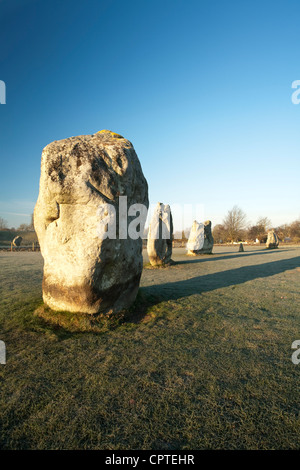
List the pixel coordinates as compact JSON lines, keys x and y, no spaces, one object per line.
{"x":201,"y":88}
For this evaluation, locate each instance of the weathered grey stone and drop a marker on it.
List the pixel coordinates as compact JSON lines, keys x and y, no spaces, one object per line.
{"x":272,"y":240}
{"x":82,"y":271}
{"x":241,"y":248}
{"x":17,"y":241}
{"x":208,"y":239}
{"x":160,"y":236}
{"x":196,"y":239}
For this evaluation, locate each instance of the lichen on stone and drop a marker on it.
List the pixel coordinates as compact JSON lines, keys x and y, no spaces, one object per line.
{"x":113,"y":134}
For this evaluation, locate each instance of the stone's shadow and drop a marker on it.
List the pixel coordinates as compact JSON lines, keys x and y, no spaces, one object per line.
{"x":137,"y":313}
{"x":202,"y":258}
{"x":65,"y":324}
{"x":150,"y":296}
{"x":209,"y":282}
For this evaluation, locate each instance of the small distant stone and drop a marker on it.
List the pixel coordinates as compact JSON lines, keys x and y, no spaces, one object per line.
{"x":196,"y":239}
{"x":17,"y":241}
{"x":160,"y":235}
{"x":272,"y":240}
{"x":208,"y":239}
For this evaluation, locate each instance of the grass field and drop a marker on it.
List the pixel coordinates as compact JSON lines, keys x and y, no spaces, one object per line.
{"x":202,"y":362}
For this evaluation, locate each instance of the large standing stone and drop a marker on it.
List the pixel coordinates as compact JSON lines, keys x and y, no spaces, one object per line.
{"x":208,"y":239}
{"x":160,"y":236}
{"x":272,"y":240}
{"x":82,"y":271}
{"x":196,"y":239}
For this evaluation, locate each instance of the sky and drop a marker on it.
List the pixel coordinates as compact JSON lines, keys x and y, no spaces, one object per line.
{"x":201,"y":88}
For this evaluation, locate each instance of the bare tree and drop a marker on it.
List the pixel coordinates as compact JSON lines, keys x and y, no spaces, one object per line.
{"x":24,"y":228}
{"x":27,"y":227}
{"x":264,"y":224}
{"x":235,"y":224}
{"x":259,"y":230}
{"x":295,"y":229}
{"x":219,"y":233}
{"x":284,"y":231}
{"x":3,"y":223}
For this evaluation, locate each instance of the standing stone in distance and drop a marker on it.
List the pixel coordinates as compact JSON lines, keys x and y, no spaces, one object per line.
{"x":160,"y":236}
{"x":208,"y":239}
{"x":17,"y":241}
{"x":272,"y":240}
{"x":84,"y":272}
{"x":196,"y":239}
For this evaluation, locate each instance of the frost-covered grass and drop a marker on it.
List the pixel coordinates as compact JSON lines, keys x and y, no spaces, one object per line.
{"x":203,"y":360}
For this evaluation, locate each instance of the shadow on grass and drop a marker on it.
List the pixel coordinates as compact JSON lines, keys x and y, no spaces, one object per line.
{"x":153,"y":295}
{"x":209,"y":282}
{"x":64,"y":324}
{"x":203,"y":258}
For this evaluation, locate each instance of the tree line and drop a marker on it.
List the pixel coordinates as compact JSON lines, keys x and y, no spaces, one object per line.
{"x":234,"y":228}
{"x":21,"y":228}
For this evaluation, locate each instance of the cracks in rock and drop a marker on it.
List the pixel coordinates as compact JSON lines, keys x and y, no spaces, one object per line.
{"x":106,"y":198}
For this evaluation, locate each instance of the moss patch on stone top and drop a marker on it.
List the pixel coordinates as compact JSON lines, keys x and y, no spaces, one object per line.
{"x":113,"y":134}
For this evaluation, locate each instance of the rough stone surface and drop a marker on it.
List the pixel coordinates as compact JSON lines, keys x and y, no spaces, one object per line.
{"x":159,"y":244}
{"x":17,"y":241}
{"x":208,"y":239}
{"x":241,"y":248}
{"x":272,"y":240}
{"x":196,"y":239}
{"x":83,"y":272}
